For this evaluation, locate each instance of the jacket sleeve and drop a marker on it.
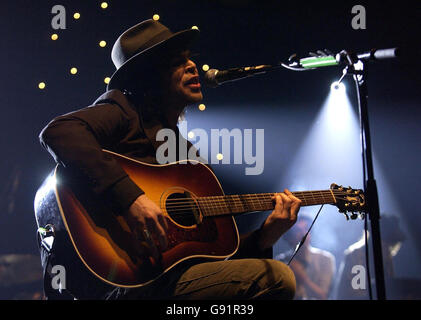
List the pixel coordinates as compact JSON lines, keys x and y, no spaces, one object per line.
{"x":76,"y":140}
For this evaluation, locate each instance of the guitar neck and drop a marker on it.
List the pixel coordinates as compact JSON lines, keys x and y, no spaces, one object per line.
{"x":245,"y":203}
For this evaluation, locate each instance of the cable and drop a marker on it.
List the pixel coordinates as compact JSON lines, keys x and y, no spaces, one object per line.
{"x":367,"y":258}
{"x":298,"y":247}
{"x":294,"y":68}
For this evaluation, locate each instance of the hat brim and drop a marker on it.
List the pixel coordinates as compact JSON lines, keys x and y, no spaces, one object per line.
{"x":179,"y":40}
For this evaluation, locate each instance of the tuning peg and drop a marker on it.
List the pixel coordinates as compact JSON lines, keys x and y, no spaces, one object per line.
{"x":354,"y":216}
{"x":346,"y":216}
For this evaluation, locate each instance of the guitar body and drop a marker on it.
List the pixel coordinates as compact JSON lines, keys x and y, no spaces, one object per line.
{"x":103,"y":241}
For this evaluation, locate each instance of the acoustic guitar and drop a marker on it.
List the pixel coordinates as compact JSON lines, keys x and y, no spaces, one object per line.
{"x":200,"y":218}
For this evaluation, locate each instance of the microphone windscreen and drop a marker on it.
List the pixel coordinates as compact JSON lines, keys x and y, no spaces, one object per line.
{"x":386,"y":53}
{"x":210,"y":78}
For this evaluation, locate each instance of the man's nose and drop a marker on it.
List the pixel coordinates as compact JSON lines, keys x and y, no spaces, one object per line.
{"x":191,"y":67}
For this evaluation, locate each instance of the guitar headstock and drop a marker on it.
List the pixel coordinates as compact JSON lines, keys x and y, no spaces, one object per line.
{"x":349,"y":200}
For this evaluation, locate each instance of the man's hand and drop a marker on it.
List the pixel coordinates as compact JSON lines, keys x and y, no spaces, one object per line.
{"x":281,"y":219}
{"x":149,"y":224}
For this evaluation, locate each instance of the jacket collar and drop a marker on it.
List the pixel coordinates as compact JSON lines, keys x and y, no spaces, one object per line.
{"x":148,"y":122}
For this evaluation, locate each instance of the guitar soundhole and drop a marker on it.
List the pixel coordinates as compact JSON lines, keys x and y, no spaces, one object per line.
{"x":182,"y":208}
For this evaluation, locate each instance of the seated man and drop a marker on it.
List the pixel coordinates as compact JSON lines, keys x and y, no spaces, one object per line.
{"x":154,"y":82}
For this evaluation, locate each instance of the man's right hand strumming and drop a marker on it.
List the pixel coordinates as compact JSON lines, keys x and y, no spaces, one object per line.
{"x":148,"y":223}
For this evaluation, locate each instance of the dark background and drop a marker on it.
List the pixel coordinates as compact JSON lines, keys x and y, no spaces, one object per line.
{"x":233,"y":33}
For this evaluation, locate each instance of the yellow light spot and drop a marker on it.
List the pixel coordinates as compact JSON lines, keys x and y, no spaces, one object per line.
{"x":104,"y":5}
{"x":219,"y":156}
{"x":102,"y":43}
{"x":41,"y":85}
{"x":155,"y":17}
{"x":107,"y":80}
{"x":202,"y":107}
{"x":205,"y":67}
{"x":76,"y":15}
{"x":73,"y":70}
{"x":195,"y":28}
{"x":191,"y":135}
{"x":54,"y":36}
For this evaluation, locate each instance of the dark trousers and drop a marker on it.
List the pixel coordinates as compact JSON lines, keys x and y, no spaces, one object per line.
{"x":222,"y":280}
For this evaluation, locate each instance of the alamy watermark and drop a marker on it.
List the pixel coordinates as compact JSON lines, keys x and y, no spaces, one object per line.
{"x":59,"y":19}
{"x":358,"y":282}
{"x":58,"y":279}
{"x":220,"y":147}
{"x":359,"y":21}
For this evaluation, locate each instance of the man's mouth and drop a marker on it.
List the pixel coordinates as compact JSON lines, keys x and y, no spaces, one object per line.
{"x":193,"y":82}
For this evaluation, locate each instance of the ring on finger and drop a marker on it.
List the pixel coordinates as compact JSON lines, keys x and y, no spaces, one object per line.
{"x":146,"y":234}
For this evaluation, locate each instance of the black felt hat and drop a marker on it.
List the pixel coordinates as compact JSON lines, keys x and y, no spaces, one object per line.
{"x":138,"y":46}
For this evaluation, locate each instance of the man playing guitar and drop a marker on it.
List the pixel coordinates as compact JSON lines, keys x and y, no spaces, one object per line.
{"x":154,"y":82}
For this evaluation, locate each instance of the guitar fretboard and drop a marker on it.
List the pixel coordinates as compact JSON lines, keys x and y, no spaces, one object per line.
{"x":236,"y":204}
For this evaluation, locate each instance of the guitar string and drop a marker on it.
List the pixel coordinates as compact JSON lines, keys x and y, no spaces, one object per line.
{"x":222,"y":200}
{"x":254,"y":198}
{"x":226,"y":202}
{"x":215,"y":211}
{"x":204,"y":206}
{"x":257,"y":197}
{"x":309,"y":193}
{"x":182,"y":210}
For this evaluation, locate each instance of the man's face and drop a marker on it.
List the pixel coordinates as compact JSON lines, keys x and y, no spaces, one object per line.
{"x":182,"y":80}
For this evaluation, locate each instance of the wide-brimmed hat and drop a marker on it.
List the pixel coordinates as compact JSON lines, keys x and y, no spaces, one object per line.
{"x":138,"y":46}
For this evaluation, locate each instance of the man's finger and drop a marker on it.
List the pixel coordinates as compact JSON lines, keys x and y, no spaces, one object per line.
{"x":147,"y":236}
{"x":158,"y":231}
{"x":295,"y":205}
{"x":286,"y":201}
{"x":278,"y":201}
{"x":163,"y":221}
{"x":291,"y":196}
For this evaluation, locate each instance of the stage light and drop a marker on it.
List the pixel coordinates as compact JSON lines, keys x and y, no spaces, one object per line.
{"x":205,"y":67}
{"x":155,"y":17}
{"x":54,"y":36}
{"x":73,"y":70}
{"x":107,"y":80}
{"x":195,"y":28}
{"x":338,"y":87}
{"x":104,"y":5}
{"x":102,"y":43}
{"x":41,"y":85}
{"x":190,"y":135}
{"x":76,"y":15}
{"x":219,"y":156}
{"x":202,"y":107}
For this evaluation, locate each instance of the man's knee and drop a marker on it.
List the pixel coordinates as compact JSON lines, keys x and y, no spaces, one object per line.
{"x":278,"y":279}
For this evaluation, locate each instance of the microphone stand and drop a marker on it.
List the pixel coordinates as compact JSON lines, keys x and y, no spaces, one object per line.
{"x":358,"y":68}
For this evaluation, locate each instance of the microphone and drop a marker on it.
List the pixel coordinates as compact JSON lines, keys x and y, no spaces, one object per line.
{"x":325,"y":60}
{"x":215,"y":77}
